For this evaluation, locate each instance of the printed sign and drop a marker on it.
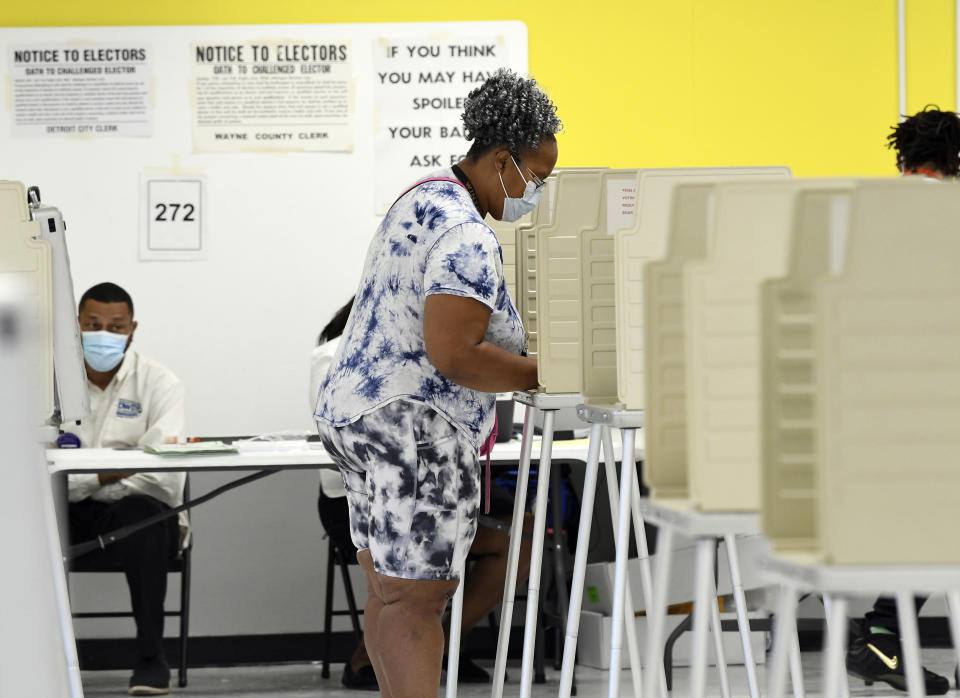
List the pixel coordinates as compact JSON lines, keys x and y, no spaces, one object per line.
{"x":273,"y":95}
{"x":173,"y":219}
{"x":420,"y":86}
{"x":69,"y":89}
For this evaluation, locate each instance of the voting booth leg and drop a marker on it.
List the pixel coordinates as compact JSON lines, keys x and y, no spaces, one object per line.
{"x":657,"y":608}
{"x":796,"y":663}
{"x":743,"y":619}
{"x":620,"y":568}
{"x":643,"y":555}
{"x":62,"y":593}
{"x":536,"y":554}
{"x":910,"y":641}
{"x":580,"y":562}
{"x":453,"y":646}
{"x":716,"y":630}
{"x":953,"y":607}
{"x":513,"y":555}
{"x":834,"y":670}
{"x":633,"y":645}
{"x":785,"y":630}
{"x":701,"y":615}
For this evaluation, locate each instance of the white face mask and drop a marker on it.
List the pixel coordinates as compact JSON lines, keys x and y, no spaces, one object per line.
{"x":515,"y":209}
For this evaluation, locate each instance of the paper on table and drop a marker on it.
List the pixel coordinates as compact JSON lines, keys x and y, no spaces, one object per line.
{"x":192,"y":449}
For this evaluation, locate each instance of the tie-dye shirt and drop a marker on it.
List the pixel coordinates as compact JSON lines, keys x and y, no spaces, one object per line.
{"x":431,"y":241}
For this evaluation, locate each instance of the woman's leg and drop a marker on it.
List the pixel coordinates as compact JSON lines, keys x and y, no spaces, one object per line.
{"x":371,"y":621}
{"x":409,"y":640}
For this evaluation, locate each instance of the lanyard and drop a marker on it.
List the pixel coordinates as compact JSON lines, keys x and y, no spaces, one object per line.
{"x":467,"y":184}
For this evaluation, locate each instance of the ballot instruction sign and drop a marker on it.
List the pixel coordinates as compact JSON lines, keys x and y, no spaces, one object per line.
{"x":172,"y":217}
{"x":420,"y":85}
{"x":80,"y":89}
{"x":272,"y":95}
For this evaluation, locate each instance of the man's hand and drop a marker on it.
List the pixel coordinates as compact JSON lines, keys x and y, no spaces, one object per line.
{"x":107,"y":478}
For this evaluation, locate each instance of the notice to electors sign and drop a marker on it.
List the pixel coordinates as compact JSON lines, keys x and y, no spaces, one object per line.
{"x":80,"y":89}
{"x":278,"y":95}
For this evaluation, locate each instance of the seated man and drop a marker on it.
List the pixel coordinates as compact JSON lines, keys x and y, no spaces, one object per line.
{"x":134,"y":401}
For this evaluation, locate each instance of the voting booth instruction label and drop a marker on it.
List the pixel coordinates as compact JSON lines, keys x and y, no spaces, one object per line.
{"x":272,"y":95}
{"x":80,"y":88}
{"x":172,"y":218}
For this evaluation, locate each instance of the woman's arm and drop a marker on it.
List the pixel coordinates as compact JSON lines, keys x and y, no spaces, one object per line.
{"x":453,"y":329}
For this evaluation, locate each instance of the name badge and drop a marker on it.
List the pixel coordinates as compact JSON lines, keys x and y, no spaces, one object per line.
{"x":129,"y":409}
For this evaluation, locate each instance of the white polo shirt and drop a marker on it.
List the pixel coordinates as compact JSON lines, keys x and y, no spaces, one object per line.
{"x":142,"y":405}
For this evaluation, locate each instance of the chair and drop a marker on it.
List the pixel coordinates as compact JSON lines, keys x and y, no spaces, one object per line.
{"x":181,"y":564}
{"x":336,"y":557}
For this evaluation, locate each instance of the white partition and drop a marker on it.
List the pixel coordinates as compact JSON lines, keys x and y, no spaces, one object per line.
{"x":750,"y":242}
{"x":788,"y":431}
{"x":25,"y":259}
{"x":618,"y":206}
{"x":887,"y":340}
{"x":645,"y":241}
{"x":558,"y":280}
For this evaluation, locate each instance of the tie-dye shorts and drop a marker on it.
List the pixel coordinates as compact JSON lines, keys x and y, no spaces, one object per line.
{"x":413,"y":486}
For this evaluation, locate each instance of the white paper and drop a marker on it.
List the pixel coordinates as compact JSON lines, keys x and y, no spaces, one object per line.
{"x":420,"y":84}
{"x":272,"y":95}
{"x":621,"y":203}
{"x":80,"y":89}
{"x":173,"y":218}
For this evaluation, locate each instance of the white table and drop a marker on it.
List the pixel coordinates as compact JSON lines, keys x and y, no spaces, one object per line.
{"x":98,"y":460}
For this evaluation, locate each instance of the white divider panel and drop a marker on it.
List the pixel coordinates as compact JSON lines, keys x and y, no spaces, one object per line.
{"x":559,"y":304}
{"x":888,"y":354}
{"x":618,"y":205}
{"x":507,"y":237}
{"x":646,"y":241}
{"x":788,"y":430}
{"x":751,"y":235}
{"x":25,"y":256}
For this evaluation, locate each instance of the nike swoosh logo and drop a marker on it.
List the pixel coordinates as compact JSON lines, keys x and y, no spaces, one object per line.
{"x":891,"y":664}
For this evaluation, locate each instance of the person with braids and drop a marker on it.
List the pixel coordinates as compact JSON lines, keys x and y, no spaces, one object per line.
{"x":409,"y":396}
{"x":927,"y":144}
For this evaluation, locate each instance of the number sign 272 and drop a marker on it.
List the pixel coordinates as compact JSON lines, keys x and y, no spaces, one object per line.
{"x":169,"y":212}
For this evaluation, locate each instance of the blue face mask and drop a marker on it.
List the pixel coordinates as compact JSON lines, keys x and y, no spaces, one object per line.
{"x":515,"y":209}
{"x":104,"y":350}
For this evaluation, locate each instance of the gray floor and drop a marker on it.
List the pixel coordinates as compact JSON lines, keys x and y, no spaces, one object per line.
{"x":302,"y":680}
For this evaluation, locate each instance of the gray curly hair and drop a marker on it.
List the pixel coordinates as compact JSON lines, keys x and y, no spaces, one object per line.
{"x":509,"y":109}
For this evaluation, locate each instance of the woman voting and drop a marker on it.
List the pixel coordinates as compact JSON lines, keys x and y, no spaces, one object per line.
{"x":409,"y":397}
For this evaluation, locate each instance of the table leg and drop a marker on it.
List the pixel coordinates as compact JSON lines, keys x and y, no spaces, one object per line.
{"x":657,"y":609}
{"x":536,"y":554}
{"x":743,"y":617}
{"x":910,"y":641}
{"x":513,"y":555}
{"x":580,"y":562}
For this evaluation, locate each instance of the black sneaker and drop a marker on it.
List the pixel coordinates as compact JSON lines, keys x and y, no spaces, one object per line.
{"x":151,"y":677}
{"x":468,"y":671}
{"x":363,"y":679}
{"x":874,"y":657}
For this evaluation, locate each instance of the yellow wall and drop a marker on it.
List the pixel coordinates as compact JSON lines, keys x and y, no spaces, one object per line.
{"x":807,"y":83}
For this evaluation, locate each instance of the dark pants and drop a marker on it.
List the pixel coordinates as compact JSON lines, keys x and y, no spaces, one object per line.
{"x":142,"y":556}
{"x":884,"y":613}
